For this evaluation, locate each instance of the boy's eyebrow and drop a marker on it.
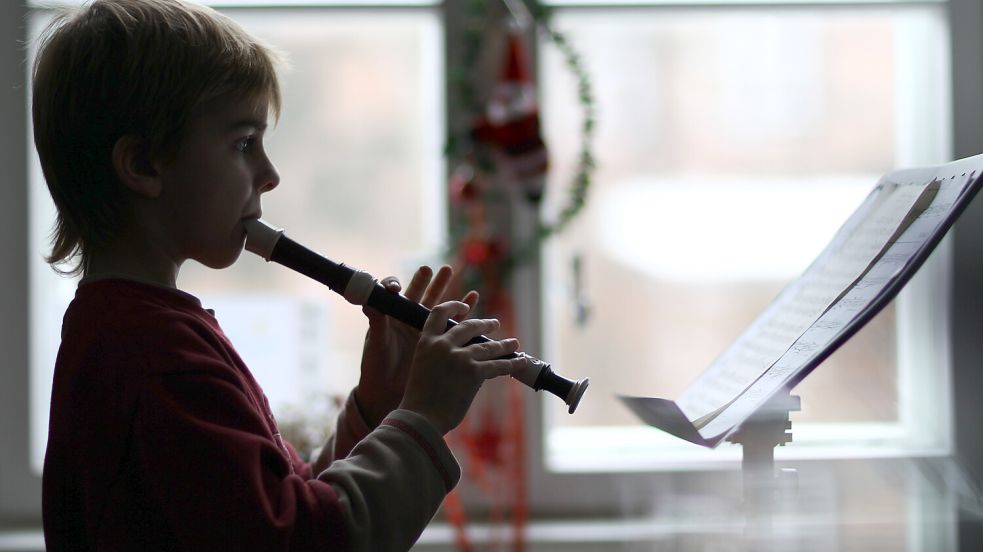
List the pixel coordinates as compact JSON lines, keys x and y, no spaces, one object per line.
{"x":248,"y":123}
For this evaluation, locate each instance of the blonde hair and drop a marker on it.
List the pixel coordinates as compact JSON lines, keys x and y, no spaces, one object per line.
{"x":129,"y":67}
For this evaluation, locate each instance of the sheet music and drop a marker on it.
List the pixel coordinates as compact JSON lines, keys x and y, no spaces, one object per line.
{"x":887,"y":212}
{"x":920,"y":204}
{"x":820,"y":334}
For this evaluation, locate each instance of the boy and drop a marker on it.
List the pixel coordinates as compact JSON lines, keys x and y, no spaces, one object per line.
{"x":149,"y":121}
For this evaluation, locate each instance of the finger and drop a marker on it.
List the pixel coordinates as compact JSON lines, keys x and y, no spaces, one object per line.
{"x":419,"y":283}
{"x":391,"y":283}
{"x":438,"y":287}
{"x":471,"y":299}
{"x":437,"y":321}
{"x":502,"y":367}
{"x":469,"y":329}
{"x":491,"y":350}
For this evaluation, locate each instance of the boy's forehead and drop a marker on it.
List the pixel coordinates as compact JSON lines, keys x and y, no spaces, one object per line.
{"x":236,"y":113}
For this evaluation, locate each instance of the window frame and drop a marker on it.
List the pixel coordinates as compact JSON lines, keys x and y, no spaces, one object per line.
{"x":20,"y":497}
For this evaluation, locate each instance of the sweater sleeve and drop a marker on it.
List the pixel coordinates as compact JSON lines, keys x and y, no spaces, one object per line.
{"x":349,"y":430}
{"x":223,"y":484}
{"x":404,"y":461}
{"x":220,"y":482}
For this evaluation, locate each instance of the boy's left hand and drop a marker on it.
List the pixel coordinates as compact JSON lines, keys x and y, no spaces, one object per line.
{"x":390,"y":344}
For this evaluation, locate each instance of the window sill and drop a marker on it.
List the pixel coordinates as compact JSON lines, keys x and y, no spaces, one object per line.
{"x":642,"y":449}
{"x":22,"y":541}
{"x":589,"y":531}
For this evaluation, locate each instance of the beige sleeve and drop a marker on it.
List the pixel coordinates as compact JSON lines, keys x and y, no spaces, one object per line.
{"x":393,"y":482}
{"x":349,"y":430}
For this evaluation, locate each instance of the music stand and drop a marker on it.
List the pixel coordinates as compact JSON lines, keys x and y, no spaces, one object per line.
{"x":756,"y":398}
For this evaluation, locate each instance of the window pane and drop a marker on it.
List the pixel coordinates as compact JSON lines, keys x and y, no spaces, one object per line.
{"x":360,"y":135}
{"x":731,"y":145}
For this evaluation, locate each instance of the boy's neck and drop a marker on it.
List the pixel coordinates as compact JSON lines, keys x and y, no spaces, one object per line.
{"x":136,"y":262}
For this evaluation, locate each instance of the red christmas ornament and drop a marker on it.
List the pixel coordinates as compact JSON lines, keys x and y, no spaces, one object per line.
{"x":475,"y":252}
{"x":480,"y":251}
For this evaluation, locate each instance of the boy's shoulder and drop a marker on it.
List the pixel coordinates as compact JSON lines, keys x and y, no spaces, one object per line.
{"x":129,"y":322}
{"x":124,"y":304}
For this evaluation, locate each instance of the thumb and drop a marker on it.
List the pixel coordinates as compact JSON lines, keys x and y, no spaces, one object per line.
{"x":377,"y":318}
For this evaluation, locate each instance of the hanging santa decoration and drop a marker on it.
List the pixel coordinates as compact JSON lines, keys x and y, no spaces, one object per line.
{"x":510,"y":123}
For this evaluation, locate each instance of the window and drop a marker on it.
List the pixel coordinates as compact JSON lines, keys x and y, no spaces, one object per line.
{"x":732,"y":143}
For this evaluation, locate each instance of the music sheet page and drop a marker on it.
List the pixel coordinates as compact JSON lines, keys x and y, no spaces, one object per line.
{"x":886,"y":213}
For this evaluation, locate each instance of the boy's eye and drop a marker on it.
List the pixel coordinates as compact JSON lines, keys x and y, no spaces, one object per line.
{"x":245,"y":144}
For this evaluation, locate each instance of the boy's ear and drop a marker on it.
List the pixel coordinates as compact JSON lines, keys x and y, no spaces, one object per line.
{"x":133,"y":166}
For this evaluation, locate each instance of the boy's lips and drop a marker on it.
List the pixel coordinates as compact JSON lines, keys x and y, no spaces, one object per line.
{"x":251,"y":216}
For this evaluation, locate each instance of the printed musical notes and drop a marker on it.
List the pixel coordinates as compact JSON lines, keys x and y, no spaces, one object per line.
{"x":887,"y":212}
{"x":866,"y":263}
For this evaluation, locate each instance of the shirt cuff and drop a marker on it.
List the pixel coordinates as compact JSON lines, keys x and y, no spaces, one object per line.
{"x":429,"y":439}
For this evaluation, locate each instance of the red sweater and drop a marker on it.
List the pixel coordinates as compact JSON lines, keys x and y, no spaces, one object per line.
{"x":160,"y":439}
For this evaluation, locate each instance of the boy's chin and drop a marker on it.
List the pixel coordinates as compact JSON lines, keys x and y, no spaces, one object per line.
{"x":219,"y":262}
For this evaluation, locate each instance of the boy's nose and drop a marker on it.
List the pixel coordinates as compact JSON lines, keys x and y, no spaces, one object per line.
{"x":269,"y":179}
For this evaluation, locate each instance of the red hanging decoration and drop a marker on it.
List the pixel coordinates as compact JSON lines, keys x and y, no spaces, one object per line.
{"x":492,"y":444}
{"x":508,"y":155}
{"x":511,"y":125}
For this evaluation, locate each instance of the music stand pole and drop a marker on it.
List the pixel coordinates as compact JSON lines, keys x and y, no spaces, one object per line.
{"x":758,"y":436}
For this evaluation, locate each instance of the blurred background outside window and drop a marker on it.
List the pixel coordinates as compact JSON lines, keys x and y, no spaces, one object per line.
{"x":731,"y":144}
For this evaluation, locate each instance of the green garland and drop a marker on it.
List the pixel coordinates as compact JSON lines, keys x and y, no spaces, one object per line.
{"x":585,"y":161}
{"x":460,"y":144}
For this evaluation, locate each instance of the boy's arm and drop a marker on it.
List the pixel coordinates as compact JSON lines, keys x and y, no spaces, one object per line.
{"x":350,"y":428}
{"x":372,"y":474}
{"x":223,"y":484}
{"x":375,"y":481}
{"x":403,"y":462}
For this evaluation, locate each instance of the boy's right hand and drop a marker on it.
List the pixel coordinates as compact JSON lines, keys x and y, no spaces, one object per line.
{"x":447,"y":372}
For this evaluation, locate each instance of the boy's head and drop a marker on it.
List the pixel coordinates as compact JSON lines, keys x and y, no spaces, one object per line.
{"x":141,"y":69}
